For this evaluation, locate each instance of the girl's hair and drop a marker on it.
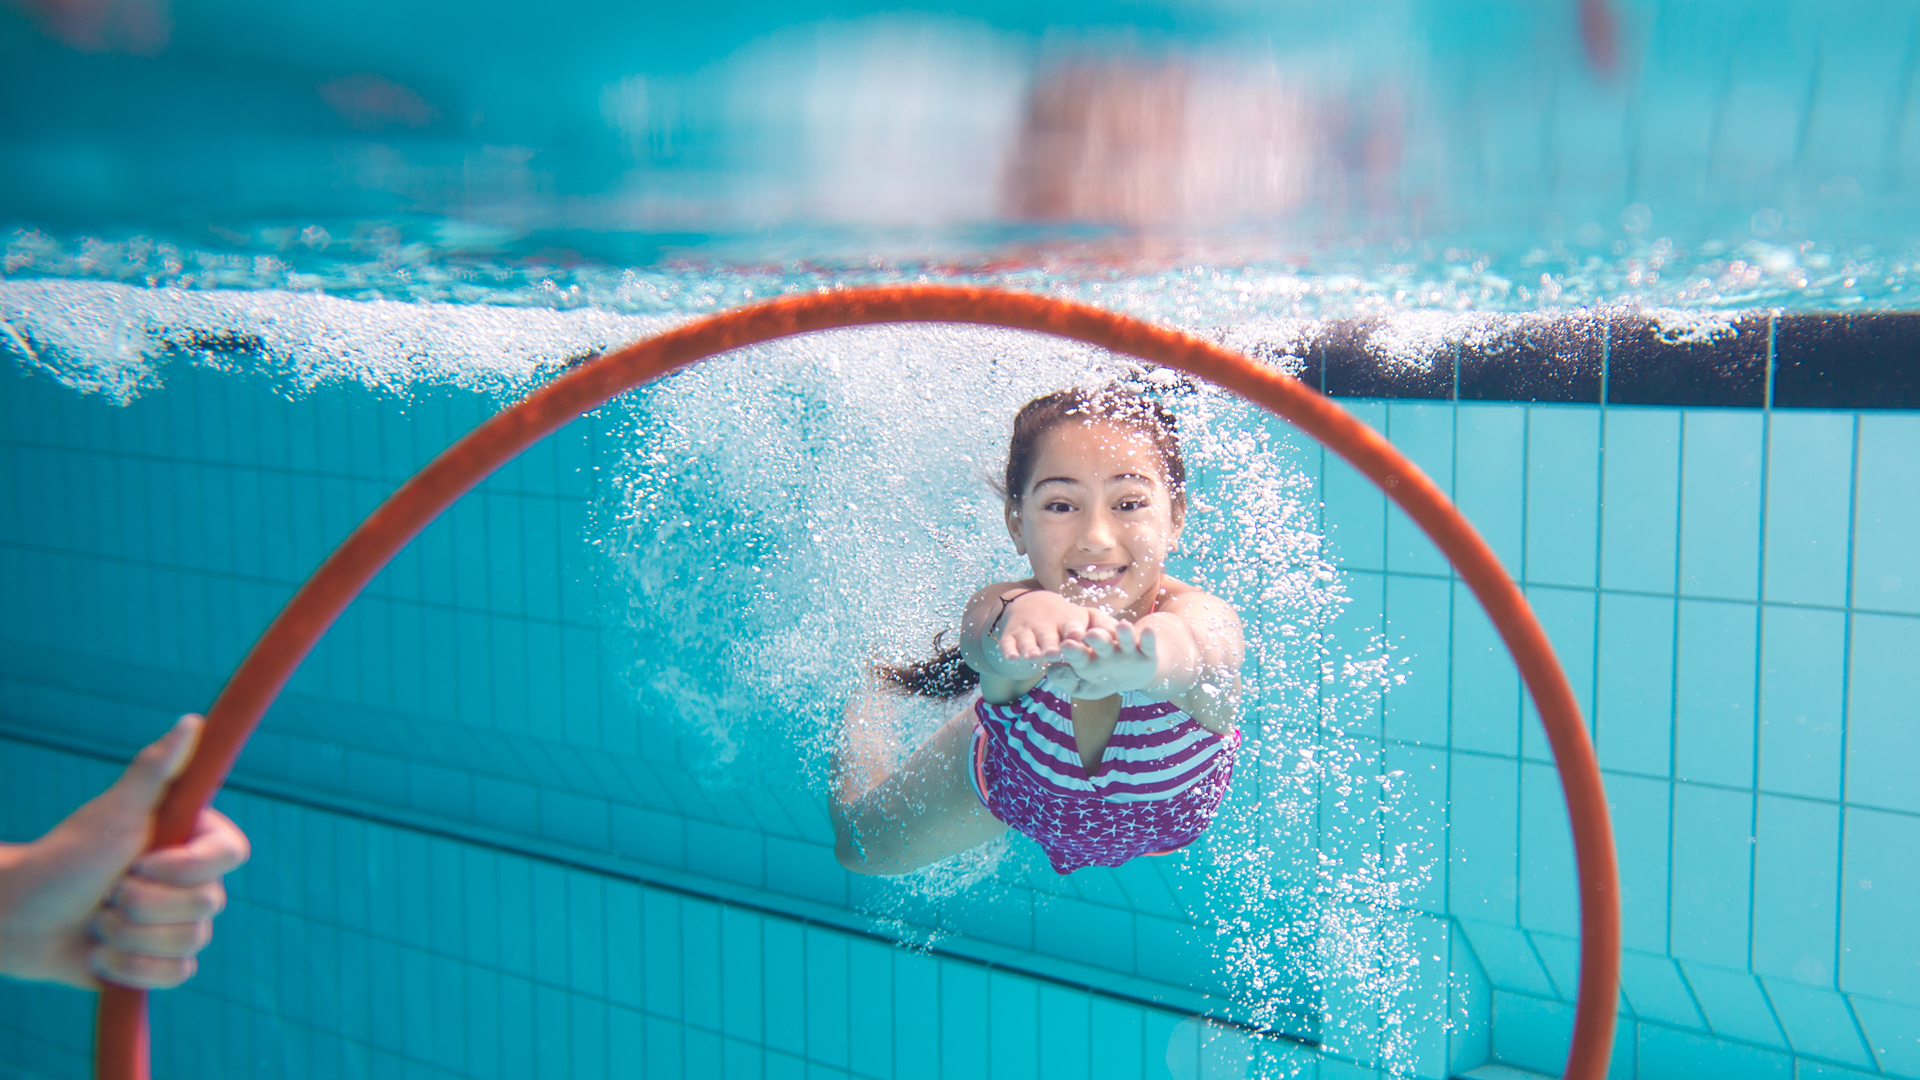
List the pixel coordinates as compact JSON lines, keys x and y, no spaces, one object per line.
{"x":1117,"y":403}
{"x":946,"y":674}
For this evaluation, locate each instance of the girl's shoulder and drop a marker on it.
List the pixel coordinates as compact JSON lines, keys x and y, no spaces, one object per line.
{"x":1179,"y":596}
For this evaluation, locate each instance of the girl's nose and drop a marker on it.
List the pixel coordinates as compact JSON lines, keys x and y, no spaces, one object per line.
{"x":1098,"y":535}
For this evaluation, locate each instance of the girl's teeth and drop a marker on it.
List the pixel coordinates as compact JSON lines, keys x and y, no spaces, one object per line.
{"x":1098,"y":575}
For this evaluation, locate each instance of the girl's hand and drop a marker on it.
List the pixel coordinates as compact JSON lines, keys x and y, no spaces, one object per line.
{"x":1107,"y":662}
{"x":1036,"y":625}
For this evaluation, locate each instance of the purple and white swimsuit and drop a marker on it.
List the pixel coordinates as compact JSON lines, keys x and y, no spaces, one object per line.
{"x":1155,"y":791}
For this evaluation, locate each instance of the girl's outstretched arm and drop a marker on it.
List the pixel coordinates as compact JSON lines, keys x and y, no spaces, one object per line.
{"x":892,"y":822}
{"x":1189,"y":653}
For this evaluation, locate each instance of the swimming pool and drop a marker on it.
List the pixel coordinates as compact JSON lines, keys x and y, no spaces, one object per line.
{"x":520,"y":817}
{"x":548,"y":790}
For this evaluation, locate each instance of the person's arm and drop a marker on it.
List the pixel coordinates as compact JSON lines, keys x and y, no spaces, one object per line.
{"x":83,"y":904}
{"x":1014,"y":629}
{"x":1188,"y":653}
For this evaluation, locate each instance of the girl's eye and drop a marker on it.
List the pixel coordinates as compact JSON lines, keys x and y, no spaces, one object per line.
{"x":1130,"y":505}
{"x":1057,"y":507}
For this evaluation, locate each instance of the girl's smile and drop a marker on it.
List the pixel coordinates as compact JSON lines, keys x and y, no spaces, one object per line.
{"x":1098,"y":521}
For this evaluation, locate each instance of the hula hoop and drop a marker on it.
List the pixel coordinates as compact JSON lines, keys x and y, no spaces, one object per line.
{"x":121,"y":1038}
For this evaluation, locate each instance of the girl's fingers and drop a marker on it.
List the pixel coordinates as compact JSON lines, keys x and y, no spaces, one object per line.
{"x":1125,"y":637}
{"x":1150,"y":643}
{"x":140,"y":970}
{"x":1049,"y":641}
{"x":180,"y":939}
{"x":149,"y":902}
{"x":1019,"y":645}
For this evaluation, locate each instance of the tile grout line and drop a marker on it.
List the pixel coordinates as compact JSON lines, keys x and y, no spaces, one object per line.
{"x":1766,"y":998}
{"x":1387,"y":507}
{"x":387,"y":482}
{"x":1445,"y":863}
{"x":1519,"y":718}
{"x":266,"y":582}
{"x":1759,"y":640}
{"x":1673,"y":687}
{"x":1548,"y":586}
{"x":1846,"y":686}
{"x":383,"y":436}
{"x":1599,"y":552}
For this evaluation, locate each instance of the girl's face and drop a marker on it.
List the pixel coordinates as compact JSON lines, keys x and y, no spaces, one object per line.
{"x":1097,"y":520}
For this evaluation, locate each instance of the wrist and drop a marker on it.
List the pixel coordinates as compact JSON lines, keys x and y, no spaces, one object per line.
{"x":1006,"y":606}
{"x":991,"y":648}
{"x":11,"y":856}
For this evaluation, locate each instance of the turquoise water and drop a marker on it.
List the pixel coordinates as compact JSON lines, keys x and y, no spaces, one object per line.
{"x":1194,"y":280}
{"x":550,"y":799}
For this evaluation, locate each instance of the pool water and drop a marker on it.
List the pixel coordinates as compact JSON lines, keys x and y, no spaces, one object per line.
{"x":550,"y":799}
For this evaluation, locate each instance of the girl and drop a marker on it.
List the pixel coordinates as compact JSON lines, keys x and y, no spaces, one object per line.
{"x":1104,"y":724}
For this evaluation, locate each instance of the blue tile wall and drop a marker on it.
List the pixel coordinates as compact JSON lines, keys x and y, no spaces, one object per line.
{"x":1490,"y":476}
{"x":1720,"y":486}
{"x":1713,"y":854}
{"x":1734,"y":1004}
{"x":1670,"y":1054}
{"x":1809,"y":516}
{"x":1886,"y":563}
{"x":1633,"y":717}
{"x":1486,"y":685}
{"x":1640,"y":534}
{"x":1892,"y":1034}
{"x":1803,"y":674}
{"x":1424,"y":432}
{"x":1742,"y":673}
{"x":1548,"y":900}
{"x":1795,"y":866}
{"x":1883,"y":742}
{"x":1569,"y":617}
{"x":1418,"y":617}
{"x":1563,"y":505}
{"x":1655,"y":990}
{"x":1880,"y":893}
{"x":444,"y":958}
{"x":1356,"y":511}
{"x":1817,"y":1024}
{"x":1716,"y":684}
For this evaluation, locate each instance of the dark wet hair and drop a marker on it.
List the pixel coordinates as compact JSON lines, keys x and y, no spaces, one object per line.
{"x":1121,"y":403}
{"x":946,"y":674}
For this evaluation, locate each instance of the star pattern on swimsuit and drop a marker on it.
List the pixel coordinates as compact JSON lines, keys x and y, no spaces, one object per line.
{"x":1084,"y":828}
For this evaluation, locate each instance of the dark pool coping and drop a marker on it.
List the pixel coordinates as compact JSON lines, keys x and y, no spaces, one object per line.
{"x":1749,"y":359}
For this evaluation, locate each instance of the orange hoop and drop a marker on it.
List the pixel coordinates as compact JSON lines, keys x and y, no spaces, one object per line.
{"x":121,"y":1045}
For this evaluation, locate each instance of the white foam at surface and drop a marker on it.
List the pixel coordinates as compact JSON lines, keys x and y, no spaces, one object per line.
{"x":112,"y":339}
{"x":1694,"y":327}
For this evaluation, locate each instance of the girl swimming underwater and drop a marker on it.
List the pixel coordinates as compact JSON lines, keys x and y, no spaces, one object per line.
{"x":1104,"y":721}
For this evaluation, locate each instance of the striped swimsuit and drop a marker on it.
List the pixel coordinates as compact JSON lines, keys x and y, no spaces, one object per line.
{"x":1159,"y":781}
